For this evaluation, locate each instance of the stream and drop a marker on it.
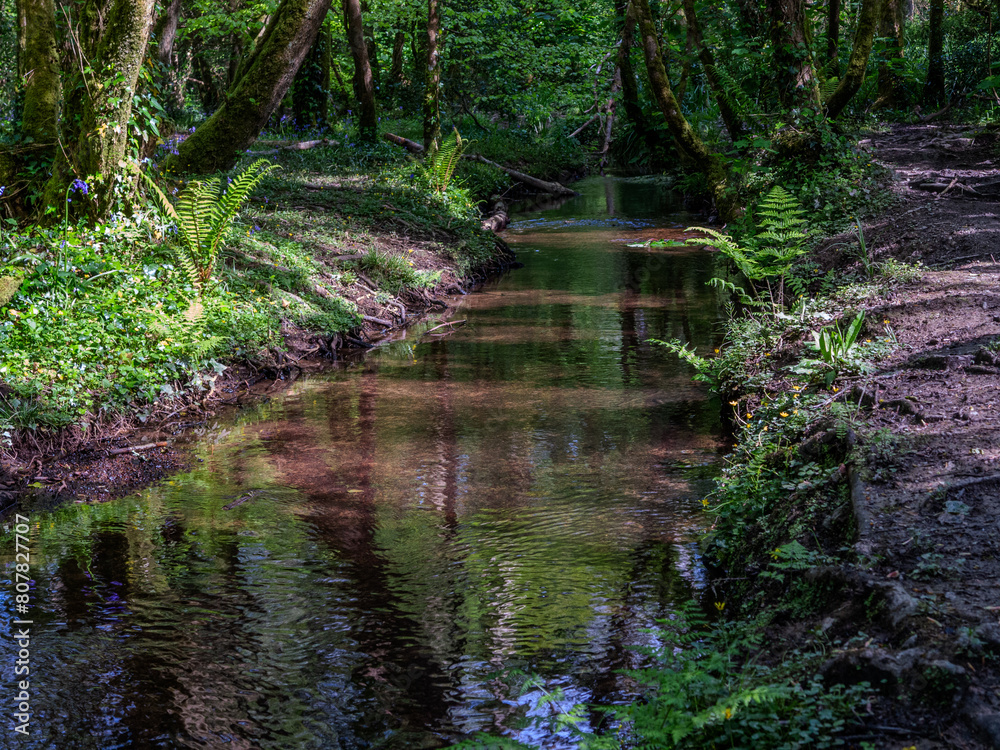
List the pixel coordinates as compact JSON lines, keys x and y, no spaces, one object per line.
{"x":412,"y":548}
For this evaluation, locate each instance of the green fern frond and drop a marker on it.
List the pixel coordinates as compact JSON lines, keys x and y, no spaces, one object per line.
{"x":203,"y":215}
{"x":441,"y":163}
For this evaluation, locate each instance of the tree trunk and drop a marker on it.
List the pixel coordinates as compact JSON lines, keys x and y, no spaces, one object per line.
{"x":432,"y":102}
{"x":94,"y":125}
{"x":854,"y":76}
{"x":688,"y":143}
{"x":890,"y":84}
{"x":398,"y":45}
{"x":934,"y":92}
{"x":833,"y":38}
{"x":730,"y":116}
{"x":372,"y":48}
{"x":364,"y":83}
{"x":165,"y":36}
{"x":208,"y":91}
{"x":797,"y":83}
{"x":38,"y":67}
{"x":270,"y":70}
{"x":630,"y":90}
{"x":311,"y":90}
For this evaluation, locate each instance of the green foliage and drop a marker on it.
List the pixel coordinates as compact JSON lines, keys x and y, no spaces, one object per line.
{"x":705,"y":694}
{"x":439,"y":165}
{"x":203,"y":215}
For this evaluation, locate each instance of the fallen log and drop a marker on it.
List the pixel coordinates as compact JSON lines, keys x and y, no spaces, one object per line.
{"x":300,"y":146}
{"x":145,"y":447}
{"x":412,"y":146}
{"x":552,"y":188}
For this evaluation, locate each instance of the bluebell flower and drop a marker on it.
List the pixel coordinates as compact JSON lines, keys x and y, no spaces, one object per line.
{"x":2,"y":188}
{"x":80,"y":185}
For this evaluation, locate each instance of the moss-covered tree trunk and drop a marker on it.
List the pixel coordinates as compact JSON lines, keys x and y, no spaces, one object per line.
{"x":311,"y":92}
{"x":98,"y":103}
{"x":38,"y":69}
{"x":854,"y":76}
{"x":891,"y":93}
{"x":269,"y":71}
{"x":796,"y":79}
{"x":432,"y":89}
{"x":688,"y":143}
{"x":730,"y":116}
{"x":364,"y":82}
{"x":833,"y":38}
{"x":934,"y":91}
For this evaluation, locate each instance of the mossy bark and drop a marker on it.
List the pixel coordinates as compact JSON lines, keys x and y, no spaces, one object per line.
{"x":311,"y":91}
{"x":934,"y":89}
{"x":797,"y":82}
{"x":688,"y":143}
{"x":730,"y":116}
{"x":38,"y":69}
{"x":891,"y":93}
{"x":364,"y":81}
{"x":98,"y":105}
{"x":854,"y":76}
{"x":270,"y":70}
{"x":432,"y":100}
{"x":396,"y":68}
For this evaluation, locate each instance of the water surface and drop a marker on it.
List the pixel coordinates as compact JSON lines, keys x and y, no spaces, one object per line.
{"x":386,"y":555}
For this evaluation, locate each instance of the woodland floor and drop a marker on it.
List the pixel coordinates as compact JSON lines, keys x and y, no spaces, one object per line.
{"x":930,"y":497}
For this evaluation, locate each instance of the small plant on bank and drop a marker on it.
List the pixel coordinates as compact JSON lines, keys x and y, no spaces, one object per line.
{"x":203,"y":215}
{"x":835,"y":349}
{"x":440,"y":164}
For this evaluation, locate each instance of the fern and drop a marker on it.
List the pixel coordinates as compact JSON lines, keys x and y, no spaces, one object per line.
{"x":440,"y":164}
{"x":734,"y":93}
{"x":203,"y":215}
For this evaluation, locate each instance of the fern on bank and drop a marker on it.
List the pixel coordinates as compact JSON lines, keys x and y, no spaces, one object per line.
{"x":440,"y":164}
{"x":203,"y":215}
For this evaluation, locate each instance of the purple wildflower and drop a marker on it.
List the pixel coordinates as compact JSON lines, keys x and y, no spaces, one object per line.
{"x":80,"y":185}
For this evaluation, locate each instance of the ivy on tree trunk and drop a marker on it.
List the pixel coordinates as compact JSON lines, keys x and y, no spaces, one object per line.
{"x":110,"y":45}
{"x":854,"y":76}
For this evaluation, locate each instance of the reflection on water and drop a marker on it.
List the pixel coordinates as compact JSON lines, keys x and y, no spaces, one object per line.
{"x":383,"y":556}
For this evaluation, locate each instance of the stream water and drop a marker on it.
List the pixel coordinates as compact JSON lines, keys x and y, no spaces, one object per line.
{"x":409,"y":549}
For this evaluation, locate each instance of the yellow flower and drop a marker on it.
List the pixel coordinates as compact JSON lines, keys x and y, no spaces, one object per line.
{"x":749,"y":415}
{"x":784,"y":413}
{"x":704,"y":501}
{"x":777,"y":553}
{"x":729,"y":713}
{"x":716,"y":351}
{"x":733,"y":403}
{"x":720,"y":606}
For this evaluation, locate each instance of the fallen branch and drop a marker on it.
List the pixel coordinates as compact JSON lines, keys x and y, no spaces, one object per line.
{"x":376,"y":321}
{"x":411,"y":146}
{"x":583,"y":127}
{"x":497,"y":219}
{"x":553,"y":188}
{"x":300,"y":146}
{"x":445,"y":325}
{"x":145,"y":447}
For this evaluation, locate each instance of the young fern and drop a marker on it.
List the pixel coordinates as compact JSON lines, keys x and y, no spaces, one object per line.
{"x":203,"y":215}
{"x":440,"y":164}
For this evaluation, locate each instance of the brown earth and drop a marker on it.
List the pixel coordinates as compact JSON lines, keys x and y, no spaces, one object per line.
{"x":928,"y":498}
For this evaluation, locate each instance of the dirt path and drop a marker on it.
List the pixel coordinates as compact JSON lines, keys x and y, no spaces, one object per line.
{"x":930,"y":503}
